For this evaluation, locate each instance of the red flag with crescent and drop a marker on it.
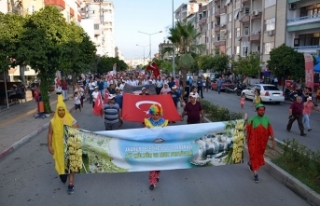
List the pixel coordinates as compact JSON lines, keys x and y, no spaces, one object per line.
{"x":154,"y":68}
{"x":98,"y":105}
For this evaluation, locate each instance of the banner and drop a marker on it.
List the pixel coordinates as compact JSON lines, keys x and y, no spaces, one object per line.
{"x":135,"y":107}
{"x":309,"y":76}
{"x":137,"y":89}
{"x":168,"y":148}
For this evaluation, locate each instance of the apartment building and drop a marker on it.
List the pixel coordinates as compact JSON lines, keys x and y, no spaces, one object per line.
{"x":238,"y":27}
{"x":98,"y":22}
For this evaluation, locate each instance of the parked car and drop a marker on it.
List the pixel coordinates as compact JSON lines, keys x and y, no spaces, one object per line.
{"x":225,"y":84}
{"x":268,"y":93}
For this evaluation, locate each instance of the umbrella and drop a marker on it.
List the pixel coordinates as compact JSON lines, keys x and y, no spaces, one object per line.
{"x":317,"y":67}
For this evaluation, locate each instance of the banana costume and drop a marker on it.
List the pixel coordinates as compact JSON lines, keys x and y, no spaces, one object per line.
{"x":57,"y":124}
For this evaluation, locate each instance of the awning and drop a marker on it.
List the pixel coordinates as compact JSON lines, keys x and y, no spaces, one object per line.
{"x":317,"y":67}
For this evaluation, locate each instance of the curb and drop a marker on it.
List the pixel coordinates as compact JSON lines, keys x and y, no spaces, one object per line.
{"x":25,"y":139}
{"x":309,"y":195}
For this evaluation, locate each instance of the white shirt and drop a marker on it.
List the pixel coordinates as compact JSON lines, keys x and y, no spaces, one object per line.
{"x":145,"y":82}
{"x":95,"y":95}
{"x":92,"y":85}
{"x":132,"y":82}
{"x":159,"y":83}
{"x":77,"y":100}
{"x":121,"y":86}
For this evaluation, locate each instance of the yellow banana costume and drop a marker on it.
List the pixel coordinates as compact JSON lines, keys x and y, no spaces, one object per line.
{"x":57,"y":124}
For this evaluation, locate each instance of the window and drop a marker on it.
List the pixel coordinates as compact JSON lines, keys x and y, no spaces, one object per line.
{"x":238,"y":32}
{"x":244,"y":51}
{"x":270,"y":24}
{"x":247,"y":10}
{"x":223,"y":19}
{"x":96,"y":26}
{"x":268,"y":47}
{"x":268,"y":3}
{"x":246,"y":31}
{"x":237,"y":50}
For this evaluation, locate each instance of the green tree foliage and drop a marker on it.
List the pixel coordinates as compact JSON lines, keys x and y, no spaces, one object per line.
{"x":105,"y":64}
{"x":285,"y":61}
{"x":11,"y":28}
{"x":205,"y":62}
{"x":184,"y":36}
{"x":248,"y":66}
{"x":220,"y":62}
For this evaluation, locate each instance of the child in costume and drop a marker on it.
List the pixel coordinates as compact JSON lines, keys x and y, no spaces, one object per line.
{"x":55,"y":140}
{"x":156,"y":120}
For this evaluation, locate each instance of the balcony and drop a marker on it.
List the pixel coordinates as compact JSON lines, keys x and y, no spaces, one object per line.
{"x":216,"y":43}
{"x":217,"y":13}
{"x":245,"y":18}
{"x":59,"y":4}
{"x":312,"y":49}
{"x":245,"y":38}
{"x":203,"y":20}
{"x":303,"y":23}
{"x":255,"y":15}
{"x":223,"y":10}
{"x":222,"y":43}
{"x":255,"y":36}
{"x":71,"y":12}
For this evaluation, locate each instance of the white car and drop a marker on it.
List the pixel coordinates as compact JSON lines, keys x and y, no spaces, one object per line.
{"x":268,"y":93}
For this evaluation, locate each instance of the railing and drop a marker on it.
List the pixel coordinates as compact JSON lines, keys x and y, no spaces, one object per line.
{"x":304,"y":18}
{"x":307,"y":47}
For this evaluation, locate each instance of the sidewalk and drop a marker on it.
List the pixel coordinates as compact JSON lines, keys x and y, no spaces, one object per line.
{"x":18,"y":124}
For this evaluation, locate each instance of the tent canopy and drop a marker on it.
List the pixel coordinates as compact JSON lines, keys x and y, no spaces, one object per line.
{"x":317,"y":66}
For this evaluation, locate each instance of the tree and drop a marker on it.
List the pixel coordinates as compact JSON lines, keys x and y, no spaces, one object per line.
{"x":220,"y":62}
{"x":184,"y":37}
{"x":105,"y":64}
{"x":205,"y":62}
{"x":44,"y":33}
{"x":11,"y":28}
{"x":77,"y":53}
{"x":248,"y":66}
{"x":285,"y":61}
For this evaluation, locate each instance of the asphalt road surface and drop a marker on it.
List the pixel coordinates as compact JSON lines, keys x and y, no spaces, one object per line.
{"x":28,"y":178}
{"x":278,"y":115}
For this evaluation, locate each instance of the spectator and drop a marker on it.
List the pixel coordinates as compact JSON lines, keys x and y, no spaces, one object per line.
{"x":194,"y":111}
{"x":64,"y":87}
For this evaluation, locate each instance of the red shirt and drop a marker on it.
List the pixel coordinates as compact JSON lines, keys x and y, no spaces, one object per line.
{"x":193,"y":112}
{"x":64,"y":85}
{"x":297,"y":108}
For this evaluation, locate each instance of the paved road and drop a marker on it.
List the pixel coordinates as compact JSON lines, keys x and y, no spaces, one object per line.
{"x":27,"y":177}
{"x":278,"y":115}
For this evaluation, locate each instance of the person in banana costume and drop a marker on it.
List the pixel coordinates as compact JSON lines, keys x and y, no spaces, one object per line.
{"x":56,"y":140}
{"x":259,"y":130}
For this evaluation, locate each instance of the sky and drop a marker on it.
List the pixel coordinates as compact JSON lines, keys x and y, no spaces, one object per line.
{"x":149,"y":16}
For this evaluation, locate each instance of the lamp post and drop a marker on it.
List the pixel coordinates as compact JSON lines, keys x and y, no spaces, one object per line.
{"x":144,"y":57}
{"x":150,"y":34}
{"x":173,"y":47}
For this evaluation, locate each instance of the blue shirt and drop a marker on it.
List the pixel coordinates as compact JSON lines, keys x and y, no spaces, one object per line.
{"x":100,"y":85}
{"x":105,"y":84}
{"x":118,"y":99}
{"x":199,"y":83}
{"x":171,"y":84}
{"x":220,"y":81}
{"x":175,"y":97}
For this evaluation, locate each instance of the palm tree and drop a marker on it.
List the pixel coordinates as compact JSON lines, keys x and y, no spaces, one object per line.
{"x":184,"y":37}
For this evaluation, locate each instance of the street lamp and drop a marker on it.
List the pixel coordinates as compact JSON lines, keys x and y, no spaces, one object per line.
{"x":144,"y":57}
{"x":150,"y":34}
{"x":173,"y":47}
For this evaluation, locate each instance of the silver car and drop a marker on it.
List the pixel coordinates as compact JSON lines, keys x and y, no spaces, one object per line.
{"x":268,"y":93}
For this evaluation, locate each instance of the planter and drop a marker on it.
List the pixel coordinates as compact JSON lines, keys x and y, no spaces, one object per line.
{"x":51,"y":89}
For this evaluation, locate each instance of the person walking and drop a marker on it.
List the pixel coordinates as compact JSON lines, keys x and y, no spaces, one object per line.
{"x":207,"y":83}
{"x":308,"y":106}
{"x":156,"y":120}
{"x":159,"y":84}
{"x":296,"y":113}
{"x":95,"y":94}
{"x":194,"y":110}
{"x":112,"y":114}
{"x":77,"y":101}
{"x":219,"y":82}
{"x":55,"y":141}
{"x":257,"y":98}
{"x":64,"y":87}
{"x":91,"y":87}
{"x":259,"y":130}
{"x":200,"y":86}
{"x":242,"y":100}
{"x":165,"y":89}
{"x":80,"y":91}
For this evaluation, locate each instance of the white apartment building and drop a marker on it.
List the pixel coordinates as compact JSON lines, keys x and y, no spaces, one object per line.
{"x":101,"y":15}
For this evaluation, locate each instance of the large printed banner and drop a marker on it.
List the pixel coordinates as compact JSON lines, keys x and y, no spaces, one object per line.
{"x":137,"y":89}
{"x":168,"y":148}
{"x":136,"y":107}
{"x":309,"y":64}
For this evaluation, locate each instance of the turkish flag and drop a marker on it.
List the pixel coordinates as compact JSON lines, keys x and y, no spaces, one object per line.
{"x":154,"y":68}
{"x":97,"y":109}
{"x":136,"y":107}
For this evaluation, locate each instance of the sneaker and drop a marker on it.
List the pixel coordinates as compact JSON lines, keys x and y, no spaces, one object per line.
{"x":256,"y":178}
{"x":70,"y":189}
{"x":303,"y":134}
{"x":250,"y":168}
{"x":151,"y":187}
